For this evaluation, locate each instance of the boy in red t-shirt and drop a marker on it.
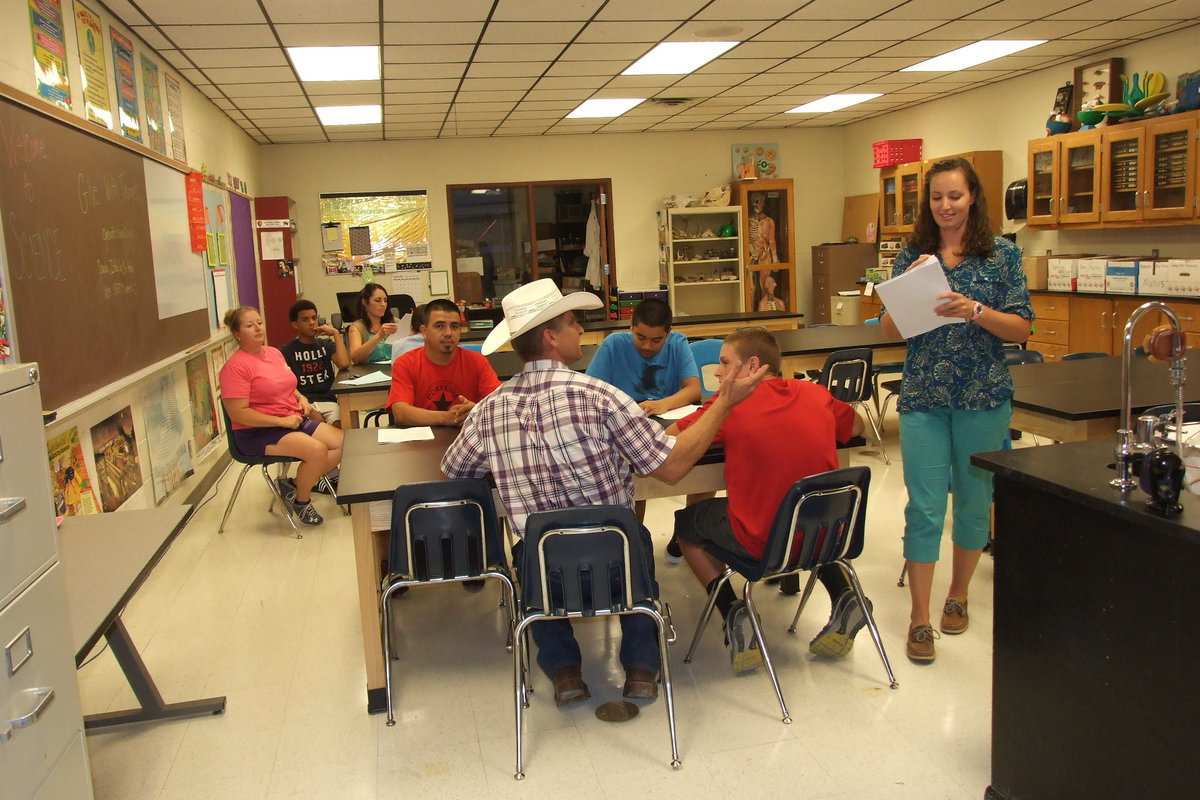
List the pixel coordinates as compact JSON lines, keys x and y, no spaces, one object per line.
{"x":785,"y":431}
{"x":438,"y":384}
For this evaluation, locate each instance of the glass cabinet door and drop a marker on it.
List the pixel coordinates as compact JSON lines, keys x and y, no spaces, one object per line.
{"x":1080,"y":179}
{"x":910,"y":196}
{"x":1171,"y":175}
{"x":1043,"y":181}
{"x":1124,"y":156}
{"x":888,"y":218}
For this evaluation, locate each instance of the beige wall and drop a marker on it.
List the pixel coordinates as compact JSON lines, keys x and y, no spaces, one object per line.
{"x":211,"y":137}
{"x":1005,"y":117}
{"x":643,"y":168}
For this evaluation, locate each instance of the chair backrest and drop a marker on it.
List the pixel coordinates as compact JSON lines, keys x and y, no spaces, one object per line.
{"x":377,"y":418}
{"x":1083,"y":354}
{"x":444,"y":529}
{"x":584,"y":561}
{"x":821,"y":518}
{"x":871,"y":321}
{"x":1022,"y":357}
{"x":242,"y":458}
{"x":847,"y":374}
{"x":707,"y":353}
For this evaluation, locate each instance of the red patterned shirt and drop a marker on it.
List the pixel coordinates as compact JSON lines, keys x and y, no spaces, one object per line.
{"x":555,"y":438}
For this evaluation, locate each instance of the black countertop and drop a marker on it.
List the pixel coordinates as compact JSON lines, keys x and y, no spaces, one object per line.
{"x":1079,"y":472}
{"x":749,"y":317}
{"x":1089,"y":388}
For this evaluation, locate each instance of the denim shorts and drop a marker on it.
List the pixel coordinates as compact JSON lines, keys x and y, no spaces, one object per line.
{"x":255,"y":441}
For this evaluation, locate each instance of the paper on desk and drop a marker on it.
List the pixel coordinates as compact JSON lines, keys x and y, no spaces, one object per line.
{"x":393,"y":435}
{"x":910,"y":298}
{"x":677,"y":413}
{"x":368,"y":379}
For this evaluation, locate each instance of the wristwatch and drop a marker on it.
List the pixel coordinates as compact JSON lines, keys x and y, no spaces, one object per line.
{"x":978,"y":311}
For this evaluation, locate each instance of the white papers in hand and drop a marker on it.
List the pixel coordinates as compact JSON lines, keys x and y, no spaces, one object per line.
{"x":368,"y":379}
{"x":912,"y":296}
{"x":678,"y":413}
{"x":403,"y":328}
{"x":393,"y":435}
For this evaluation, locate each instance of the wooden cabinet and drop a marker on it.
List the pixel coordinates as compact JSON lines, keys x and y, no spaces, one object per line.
{"x":704,"y":259}
{"x":1098,"y":323}
{"x":768,"y":243}
{"x":899,"y":197}
{"x":1137,"y":172}
{"x":1052,"y":326}
{"x":869,"y":306}
{"x":837,"y":268}
{"x":900,"y":190}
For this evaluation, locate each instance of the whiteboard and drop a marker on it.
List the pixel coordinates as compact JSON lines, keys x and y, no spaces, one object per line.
{"x":179,"y":279}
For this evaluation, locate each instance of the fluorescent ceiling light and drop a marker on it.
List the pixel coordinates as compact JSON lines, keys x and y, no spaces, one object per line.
{"x":604,"y":107}
{"x":336,"y":63}
{"x":678,"y":58}
{"x":834,"y":102}
{"x":350,"y":115}
{"x":973,"y":54}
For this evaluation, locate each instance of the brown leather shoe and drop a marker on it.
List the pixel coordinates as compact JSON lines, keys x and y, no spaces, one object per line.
{"x":954,"y":616}
{"x":640,"y":684}
{"x":569,"y":687}
{"x":920,"y":643}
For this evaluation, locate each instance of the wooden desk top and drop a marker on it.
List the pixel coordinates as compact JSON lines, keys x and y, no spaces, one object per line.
{"x":105,"y":559}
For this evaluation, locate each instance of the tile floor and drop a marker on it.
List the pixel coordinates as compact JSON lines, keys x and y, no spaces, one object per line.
{"x":272,"y":623}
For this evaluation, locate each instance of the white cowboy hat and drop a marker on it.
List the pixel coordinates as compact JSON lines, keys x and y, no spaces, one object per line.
{"x":530,"y":305}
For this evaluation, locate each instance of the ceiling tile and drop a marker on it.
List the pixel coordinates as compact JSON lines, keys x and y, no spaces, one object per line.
{"x":407,"y":86}
{"x":566,"y":68}
{"x":240,"y":90}
{"x":1047,"y":29}
{"x":813,"y":64}
{"x":1099,"y":10}
{"x":566,"y":95}
{"x":125,"y":11}
{"x":767,"y":50}
{"x":328,"y":35}
{"x":840,"y":9}
{"x":218,"y":37}
{"x":606,"y":52}
{"x":572,"y":82}
{"x":235,"y":75}
{"x":242,"y":57}
{"x":546,"y":105}
{"x":425,"y":11}
{"x":1124,"y":29}
{"x":152,"y":37}
{"x":642,"y":84}
{"x":920,"y":49}
{"x":291,"y":114}
{"x":417,"y":98}
{"x":842,"y":48}
{"x":499,"y":84}
{"x":430,"y":54}
{"x":716,"y":31}
{"x":482,"y":97}
{"x":1021,"y":10}
{"x":174,"y":12}
{"x":519,"y":52}
{"x":288,"y":11}
{"x":247,"y":104}
{"x":353,"y":92}
{"x":414,"y":119}
{"x":507,"y":69}
{"x":652,"y":32}
{"x":505,"y":106}
{"x":438,"y":109}
{"x":887,"y":29}
{"x":659,"y":10}
{"x":530,"y":32}
{"x":431,"y":33}
{"x":806,"y":30}
{"x":1176,"y":10}
{"x":423,"y":71}
{"x":935,"y":9}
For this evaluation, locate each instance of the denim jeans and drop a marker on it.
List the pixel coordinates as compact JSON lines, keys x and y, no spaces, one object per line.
{"x":555,"y":638}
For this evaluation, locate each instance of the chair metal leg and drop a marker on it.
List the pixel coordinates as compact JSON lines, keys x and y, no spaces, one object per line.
{"x":903,"y":572}
{"x":509,"y":603}
{"x":808,"y":587}
{"x":877,"y":430}
{"x":287,"y":509}
{"x":666,"y":681}
{"x":708,"y":608}
{"x":752,"y":612}
{"x":862,"y":601}
{"x":237,"y":487}
{"x":520,"y":689}
{"x":386,"y":607}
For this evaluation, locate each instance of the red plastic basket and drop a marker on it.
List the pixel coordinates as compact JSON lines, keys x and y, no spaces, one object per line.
{"x":896,"y":151}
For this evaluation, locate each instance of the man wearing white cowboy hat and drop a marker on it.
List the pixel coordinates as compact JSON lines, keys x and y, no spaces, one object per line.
{"x":555,"y":438}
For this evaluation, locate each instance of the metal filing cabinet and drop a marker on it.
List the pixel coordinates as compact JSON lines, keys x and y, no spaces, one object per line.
{"x":42,"y":752}
{"x":836,"y":268}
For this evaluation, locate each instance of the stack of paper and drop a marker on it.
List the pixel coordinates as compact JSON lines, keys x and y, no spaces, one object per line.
{"x":911,"y":298}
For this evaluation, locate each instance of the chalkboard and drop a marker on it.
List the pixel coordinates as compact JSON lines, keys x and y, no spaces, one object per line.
{"x":80,"y":254}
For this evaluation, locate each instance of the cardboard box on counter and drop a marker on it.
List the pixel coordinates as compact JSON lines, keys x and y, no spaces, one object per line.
{"x":1035,"y":271}
{"x":1121,"y":276}
{"x":1090,"y":274}
{"x":1183,"y":277}
{"x":1061,"y":271}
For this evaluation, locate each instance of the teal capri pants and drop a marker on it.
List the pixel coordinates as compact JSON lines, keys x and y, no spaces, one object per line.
{"x":937,"y":446}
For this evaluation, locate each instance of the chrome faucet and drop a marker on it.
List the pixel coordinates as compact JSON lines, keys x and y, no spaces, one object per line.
{"x":1127,"y":445}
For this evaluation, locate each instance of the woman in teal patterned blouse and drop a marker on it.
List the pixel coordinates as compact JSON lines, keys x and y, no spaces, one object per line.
{"x":957,"y":392}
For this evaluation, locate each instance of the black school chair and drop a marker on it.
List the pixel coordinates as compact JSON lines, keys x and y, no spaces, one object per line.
{"x":847,"y":376}
{"x":821,"y":520}
{"x":589,"y":561}
{"x":1083,"y":354}
{"x":1022,"y":357}
{"x":442,"y":532}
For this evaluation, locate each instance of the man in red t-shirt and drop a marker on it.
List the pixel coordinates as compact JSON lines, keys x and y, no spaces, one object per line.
{"x":785,"y":431}
{"x":438,"y":384}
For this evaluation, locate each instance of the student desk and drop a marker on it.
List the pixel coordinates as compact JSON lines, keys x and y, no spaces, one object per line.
{"x":105,"y":559}
{"x":353,"y":399}
{"x":371,"y":471}
{"x":1070,"y":401}
{"x":808,"y":348}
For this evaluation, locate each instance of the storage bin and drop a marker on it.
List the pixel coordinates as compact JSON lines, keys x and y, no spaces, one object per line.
{"x":890,"y":152}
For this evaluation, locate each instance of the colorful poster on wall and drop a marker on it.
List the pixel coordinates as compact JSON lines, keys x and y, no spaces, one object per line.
{"x":204,"y":412}
{"x":381,"y":232}
{"x":170,"y":461}
{"x":127,"y":101}
{"x":156,"y":129}
{"x":49,"y":52}
{"x":118,"y":468}
{"x":73,"y":493}
{"x":755,"y":161}
{"x":5,"y":344}
{"x":89,"y":33}
{"x":175,"y":118}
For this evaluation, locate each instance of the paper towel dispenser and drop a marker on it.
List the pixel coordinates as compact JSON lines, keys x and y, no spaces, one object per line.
{"x":1016,"y":199}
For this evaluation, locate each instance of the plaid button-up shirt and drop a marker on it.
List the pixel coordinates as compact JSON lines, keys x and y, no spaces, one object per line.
{"x":556,"y":438}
